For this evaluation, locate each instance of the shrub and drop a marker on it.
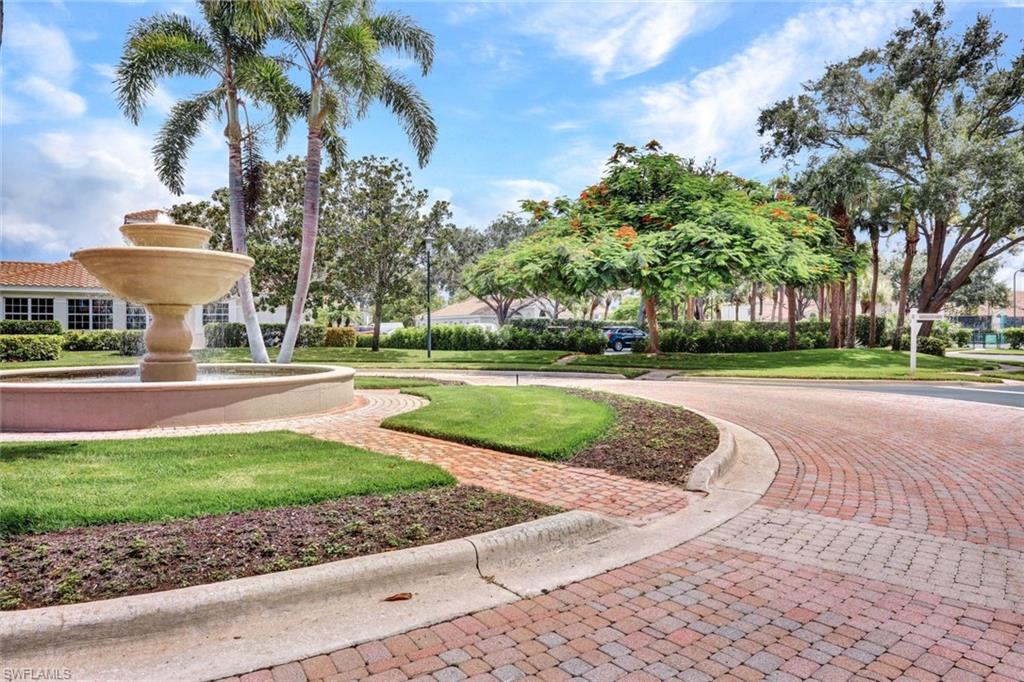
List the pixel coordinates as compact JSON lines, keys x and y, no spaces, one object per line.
{"x":738,"y":337}
{"x":132,"y":343}
{"x":1015,"y":337}
{"x":930,"y":345}
{"x":104,"y":339}
{"x":233,"y":335}
{"x":364,"y":340}
{"x":340,"y":337}
{"x":28,"y":347}
{"x":30,"y":327}
{"x":883,"y":330}
{"x":961,"y":336}
{"x":225,"y":335}
{"x":541,"y":324}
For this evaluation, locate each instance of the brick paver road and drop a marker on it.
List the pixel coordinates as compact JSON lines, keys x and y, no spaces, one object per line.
{"x":890,"y":546}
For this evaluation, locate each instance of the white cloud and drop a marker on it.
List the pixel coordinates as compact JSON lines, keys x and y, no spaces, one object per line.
{"x":714,"y":113}
{"x":526,"y":189}
{"x":58,"y":102}
{"x":563,"y":126}
{"x":45,"y":48}
{"x":619,"y":39}
{"x":82,"y":183}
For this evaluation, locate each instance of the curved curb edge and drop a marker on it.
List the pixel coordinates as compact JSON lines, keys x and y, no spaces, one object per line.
{"x":715,"y":465}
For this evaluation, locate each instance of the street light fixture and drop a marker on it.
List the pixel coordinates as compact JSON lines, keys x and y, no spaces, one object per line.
{"x":429,"y":240}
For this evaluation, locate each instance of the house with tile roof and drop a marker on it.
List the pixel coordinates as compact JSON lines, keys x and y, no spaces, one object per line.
{"x":66,"y":292}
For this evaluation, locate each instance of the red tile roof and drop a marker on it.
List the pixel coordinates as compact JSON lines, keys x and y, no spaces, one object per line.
{"x":69,"y":273}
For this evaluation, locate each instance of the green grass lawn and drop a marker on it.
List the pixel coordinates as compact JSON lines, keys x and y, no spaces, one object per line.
{"x":386,"y":358}
{"x":541,"y":422}
{"x":53,"y":485}
{"x":825,"y":363}
{"x":369,"y":383}
{"x":994,"y":351}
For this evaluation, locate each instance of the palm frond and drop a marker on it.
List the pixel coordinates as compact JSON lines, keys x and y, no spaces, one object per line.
{"x":404,"y":100}
{"x":399,"y":32}
{"x":267,"y":84}
{"x":158,"y":46}
{"x":177,"y":134}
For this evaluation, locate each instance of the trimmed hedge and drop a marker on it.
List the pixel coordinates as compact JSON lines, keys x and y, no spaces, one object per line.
{"x":131,"y":343}
{"x":365,"y":340}
{"x":29,"y":347}
{"x":1015,"y":337}
{"x":541,"y":324}
{"x":883,"y":330}
{"x":232,"y":335}
{"x":930,"y":345}
{"x":102,"y":339}
{"x":737,"y":337}
{"x":30,"y":327}
{"x":509,"y":337}
{"x":340,"y":337}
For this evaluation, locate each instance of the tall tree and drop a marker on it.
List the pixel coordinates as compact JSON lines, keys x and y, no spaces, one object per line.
{"x":939,"y":114}
{"x":386,"y":223}
{"x":275,"y":235}
{"x":340,"y":46}
{"x":227,"y":50}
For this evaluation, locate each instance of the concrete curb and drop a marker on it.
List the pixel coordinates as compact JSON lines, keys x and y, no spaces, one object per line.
{"x":715,"y":465}
{"x":263,"y":620}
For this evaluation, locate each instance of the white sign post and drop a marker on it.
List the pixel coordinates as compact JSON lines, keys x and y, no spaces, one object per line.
{"x":916,"y":319}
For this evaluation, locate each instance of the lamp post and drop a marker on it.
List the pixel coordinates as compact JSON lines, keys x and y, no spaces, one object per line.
{"x":429,"y":241}
{"x":1019,"y":271}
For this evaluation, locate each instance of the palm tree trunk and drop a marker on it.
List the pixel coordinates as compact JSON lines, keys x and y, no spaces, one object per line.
{"x":872,"y":305}
{"x":835,"y":315}
{"x":851,"y":312}
{"x":791,"y":315}
{"x":310,"y":224}
{"x":753,"y":301}
{"x":236,"y":218}
{"x":650,"y":307}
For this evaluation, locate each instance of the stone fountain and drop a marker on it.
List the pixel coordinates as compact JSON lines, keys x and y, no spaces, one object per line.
{"x":168,"y":271}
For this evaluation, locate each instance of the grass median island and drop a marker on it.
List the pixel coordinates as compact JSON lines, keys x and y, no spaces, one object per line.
{"x":821,"y":363}
{"x":369,"y":383}
{"x":641,"y":439}
{"x":53,"y":485}
{"x":527,"y":420}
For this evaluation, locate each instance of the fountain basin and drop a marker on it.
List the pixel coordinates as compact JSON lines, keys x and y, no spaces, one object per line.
{"x":164,"y":275}
{"x":113,"y":398}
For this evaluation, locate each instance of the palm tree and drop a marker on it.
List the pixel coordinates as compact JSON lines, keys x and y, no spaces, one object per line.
{"x":841,"y":187}
{"x":339,"y":44}
{"x":226,"y":50}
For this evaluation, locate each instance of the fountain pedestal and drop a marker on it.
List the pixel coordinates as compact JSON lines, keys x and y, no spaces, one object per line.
{"x":168,"y":340}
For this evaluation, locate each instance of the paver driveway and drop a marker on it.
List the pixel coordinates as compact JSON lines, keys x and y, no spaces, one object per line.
{"x":891,"y":545}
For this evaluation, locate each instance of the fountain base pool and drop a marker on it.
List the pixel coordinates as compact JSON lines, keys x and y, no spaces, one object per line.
{"x":113,"y":398}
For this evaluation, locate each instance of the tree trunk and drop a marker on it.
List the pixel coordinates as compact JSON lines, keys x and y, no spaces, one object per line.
{"x":674,"y":311}
{"x":607,"y":305}
{"x":736,"y":310}
{"x":310,"y":225}
{"x":851,"y":313}
{"x":873,"y":300}
{"x":236,"y":218}
{"x":909,"y":251}
{"x":753,"y":302}
{"x":835,"y":318}
{"x":775,"y":302}
{"x":791,"y":315}
{"x":650,"y":306}
{"x":378,"y":309}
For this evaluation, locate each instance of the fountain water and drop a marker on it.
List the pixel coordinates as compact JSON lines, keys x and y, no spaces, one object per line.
{"x":168,"y":271}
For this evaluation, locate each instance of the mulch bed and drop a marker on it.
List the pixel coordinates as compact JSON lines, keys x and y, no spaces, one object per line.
{"x":100,"y":562}
{"x":648,"y":441}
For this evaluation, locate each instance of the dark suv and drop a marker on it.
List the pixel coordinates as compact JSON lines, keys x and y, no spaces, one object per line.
{"x":623,"y":337}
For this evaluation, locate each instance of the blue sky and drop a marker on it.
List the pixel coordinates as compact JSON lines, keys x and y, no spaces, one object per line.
{"x":529,"y":97}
